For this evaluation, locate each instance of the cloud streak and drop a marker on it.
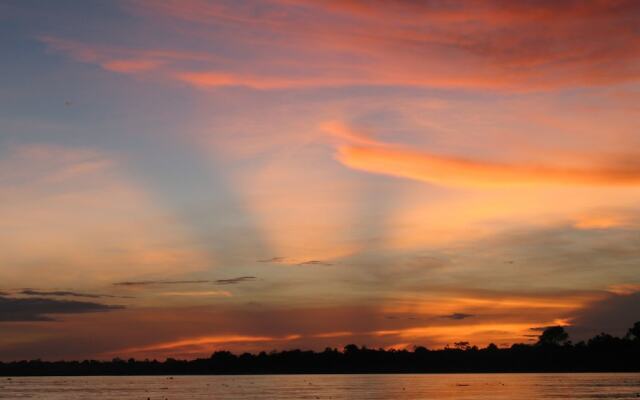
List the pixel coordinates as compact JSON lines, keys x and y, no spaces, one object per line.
{"x":235,"y":281}
{"x":159,"y":283}
{"x":205,"y":343}
{"x":394,"y":160}
{"x":206,"y":293}
{"x":458,"y":316}
{"x":229,"y":281}
{"x":315,"y":262}
{"x":64,"y":293}
{"x":293,"y":261}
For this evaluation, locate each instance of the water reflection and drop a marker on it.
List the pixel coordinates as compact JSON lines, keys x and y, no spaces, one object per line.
{"x":445,"y":386}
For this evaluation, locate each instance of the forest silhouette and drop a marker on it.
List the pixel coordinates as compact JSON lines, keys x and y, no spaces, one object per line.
{"x":553,"y":352}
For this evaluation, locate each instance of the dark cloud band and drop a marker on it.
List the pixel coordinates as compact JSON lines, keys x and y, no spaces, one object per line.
{"x":39,"y":309}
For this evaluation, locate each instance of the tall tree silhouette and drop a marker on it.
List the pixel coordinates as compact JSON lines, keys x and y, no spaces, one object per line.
{"x":553,"y":336}
{"x":634,"y":331}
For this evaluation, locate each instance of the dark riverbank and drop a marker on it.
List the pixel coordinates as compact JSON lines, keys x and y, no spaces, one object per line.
{"x":553,"y":353}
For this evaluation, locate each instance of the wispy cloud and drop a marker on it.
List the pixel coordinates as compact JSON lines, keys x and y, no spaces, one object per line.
{"x":118,"y":59}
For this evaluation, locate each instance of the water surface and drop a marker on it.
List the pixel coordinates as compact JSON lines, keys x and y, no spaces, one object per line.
{"x":370,"y":387}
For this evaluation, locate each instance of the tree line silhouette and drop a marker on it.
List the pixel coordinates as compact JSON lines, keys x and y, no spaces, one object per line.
{"x":553,"y":352}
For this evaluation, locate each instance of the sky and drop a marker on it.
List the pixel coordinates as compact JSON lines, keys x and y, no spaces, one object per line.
{"x":184,"y":176}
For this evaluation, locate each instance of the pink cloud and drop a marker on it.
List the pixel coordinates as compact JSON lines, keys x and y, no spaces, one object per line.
{"x":492,"y":45}
{"x":119,"y":59}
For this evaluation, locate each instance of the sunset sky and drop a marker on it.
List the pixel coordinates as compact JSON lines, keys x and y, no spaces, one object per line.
{"x":183,"y":176}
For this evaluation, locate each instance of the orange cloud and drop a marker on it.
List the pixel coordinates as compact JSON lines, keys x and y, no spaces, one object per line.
{"x":131,"y":66}
{"x":424,"y":318}
{"x":221,"y":79}
{"x":203,"y":343}
{"x":477,"y":334}
{"x":333,"y":334}
{"x":624,"y":288}
{"x":601,"y":222}
{"x":511,"y":305}
{"x":394,"y":160}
